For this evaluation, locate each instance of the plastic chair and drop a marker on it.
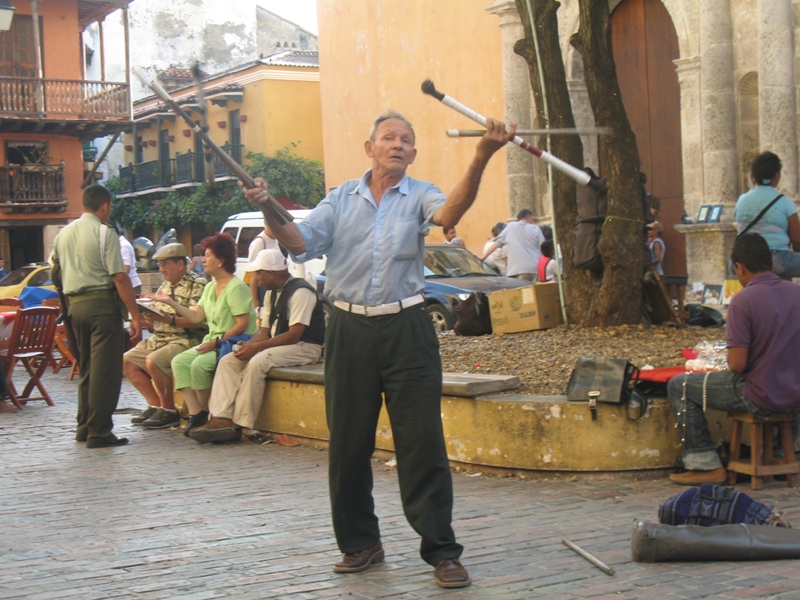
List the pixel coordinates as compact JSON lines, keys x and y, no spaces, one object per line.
{"x":31,"y":339}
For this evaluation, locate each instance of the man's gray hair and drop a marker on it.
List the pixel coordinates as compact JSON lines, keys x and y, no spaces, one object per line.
{"x":389,"y":114}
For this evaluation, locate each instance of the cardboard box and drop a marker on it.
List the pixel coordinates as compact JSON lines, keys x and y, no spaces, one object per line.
{"x":525,"y":309}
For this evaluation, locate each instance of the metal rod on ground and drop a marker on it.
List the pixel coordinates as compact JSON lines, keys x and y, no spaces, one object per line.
{"x":278,"y":211}
{"x":575,"y":173}
{"x":562,"y":131}
{"x":597,"y":563}
{"x":106,"y":150}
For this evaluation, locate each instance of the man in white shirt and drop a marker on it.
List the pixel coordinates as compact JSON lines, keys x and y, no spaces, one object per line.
{"x":522,"y":240}
{"x":129,"y":259}
{"x":263,"y":241}
{"x":292,"y":333}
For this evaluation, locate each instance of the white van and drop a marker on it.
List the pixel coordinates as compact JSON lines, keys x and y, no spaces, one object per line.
{"x":244,"y":227}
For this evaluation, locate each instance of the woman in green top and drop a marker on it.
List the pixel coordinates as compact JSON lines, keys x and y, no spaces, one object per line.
{"x":227,"y":307}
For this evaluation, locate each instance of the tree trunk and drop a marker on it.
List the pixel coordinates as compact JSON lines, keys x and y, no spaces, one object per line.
{"x":622,"y":244}
{"x":580,"y":292}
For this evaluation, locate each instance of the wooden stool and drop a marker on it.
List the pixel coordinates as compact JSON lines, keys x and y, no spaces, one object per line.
{"x":676,"y":286}
{"x":763,"y":466}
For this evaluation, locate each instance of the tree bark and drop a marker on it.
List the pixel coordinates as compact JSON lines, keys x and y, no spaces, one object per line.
{"x":622,"y":244}
{"x":580,"y":292}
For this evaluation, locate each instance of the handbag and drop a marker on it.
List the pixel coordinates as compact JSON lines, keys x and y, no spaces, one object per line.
{"x":610,"y":380}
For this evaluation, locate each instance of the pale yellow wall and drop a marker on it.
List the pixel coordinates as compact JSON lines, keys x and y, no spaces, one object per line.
{"x":291,"y":113}
{"x":279,"y":112}
{"x":375,"y":54}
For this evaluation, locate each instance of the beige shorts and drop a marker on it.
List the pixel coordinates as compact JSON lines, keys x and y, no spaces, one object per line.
{"x":161,"y":357}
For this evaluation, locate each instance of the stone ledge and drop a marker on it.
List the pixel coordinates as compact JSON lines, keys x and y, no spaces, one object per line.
{"x":501,"y":431}
{"x":466,"y":385}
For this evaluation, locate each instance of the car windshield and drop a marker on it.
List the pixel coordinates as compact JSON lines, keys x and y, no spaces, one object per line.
{"x":16,"y":276}
{"x":453,"y":262}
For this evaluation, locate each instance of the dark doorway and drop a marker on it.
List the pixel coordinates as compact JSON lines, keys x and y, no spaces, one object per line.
{"x":27,"y":245}
{"x":645,"y":46}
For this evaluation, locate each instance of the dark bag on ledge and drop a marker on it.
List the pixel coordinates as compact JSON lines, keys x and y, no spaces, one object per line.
{"x":472,"y":315}
{"x":610,"y":380}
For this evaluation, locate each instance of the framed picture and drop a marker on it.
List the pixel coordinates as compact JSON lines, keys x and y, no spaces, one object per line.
{"x":730,"y":288}
{"x":713,"y":216}
{"x":712,"y":294}
{"x":702,"y":215}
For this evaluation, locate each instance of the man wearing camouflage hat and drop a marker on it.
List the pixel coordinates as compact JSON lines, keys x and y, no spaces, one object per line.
{"x":147,"y":365}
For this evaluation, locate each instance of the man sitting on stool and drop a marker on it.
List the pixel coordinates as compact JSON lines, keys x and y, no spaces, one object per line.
{"x":292,"y":333}
{"x":763,"y":340}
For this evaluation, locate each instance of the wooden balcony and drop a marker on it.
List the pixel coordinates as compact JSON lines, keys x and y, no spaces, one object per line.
{"x":32,"y":188}
{"x":185,"y":170}
{"x":66,"y":106}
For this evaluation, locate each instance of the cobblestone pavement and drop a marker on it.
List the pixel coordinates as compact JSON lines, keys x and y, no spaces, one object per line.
{"x":164,"y":517}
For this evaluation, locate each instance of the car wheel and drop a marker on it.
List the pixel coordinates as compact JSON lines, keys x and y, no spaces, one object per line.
{"x":440,"y":317}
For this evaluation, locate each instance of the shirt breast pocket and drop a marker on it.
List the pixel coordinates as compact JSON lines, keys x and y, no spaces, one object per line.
{"x":404,"y":238}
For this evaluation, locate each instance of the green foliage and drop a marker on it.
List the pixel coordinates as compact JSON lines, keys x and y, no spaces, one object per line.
{"x":133,"y":213}
{"x":289,"y":175}
{"x":210,"y":208}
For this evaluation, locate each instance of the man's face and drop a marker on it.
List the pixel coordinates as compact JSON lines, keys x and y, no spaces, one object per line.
{"x":268,"y":279}
{"x":392,"y":150}
{"x":172,"y":270}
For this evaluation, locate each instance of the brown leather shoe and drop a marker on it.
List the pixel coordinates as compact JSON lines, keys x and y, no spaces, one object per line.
{"x":697,"y":477}
{"x":360,"y":561}
{"x":451,"y":574}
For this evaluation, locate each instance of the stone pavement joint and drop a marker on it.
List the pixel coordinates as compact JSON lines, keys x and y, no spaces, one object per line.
{"x":165,"y":517}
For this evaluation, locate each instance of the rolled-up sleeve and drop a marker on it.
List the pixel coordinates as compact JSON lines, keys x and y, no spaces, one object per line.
{"x":317,"y":230}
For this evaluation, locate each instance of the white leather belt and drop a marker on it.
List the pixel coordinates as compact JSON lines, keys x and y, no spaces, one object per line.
{"x":379,"y":309}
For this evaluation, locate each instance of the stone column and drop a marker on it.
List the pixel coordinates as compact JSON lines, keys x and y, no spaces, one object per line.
{"x":688,"y":70}
{"x":718,"y":106}
{"x":517,"y":94}
{"x":776,"y":87}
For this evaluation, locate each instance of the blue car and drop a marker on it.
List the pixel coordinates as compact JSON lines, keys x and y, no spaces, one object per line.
{"x":452,"y":273}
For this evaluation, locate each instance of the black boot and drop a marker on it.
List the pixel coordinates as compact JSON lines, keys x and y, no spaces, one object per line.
{"x":197,"y":420}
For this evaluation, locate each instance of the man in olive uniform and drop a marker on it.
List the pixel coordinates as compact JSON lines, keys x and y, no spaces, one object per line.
{"x":94,"y":280}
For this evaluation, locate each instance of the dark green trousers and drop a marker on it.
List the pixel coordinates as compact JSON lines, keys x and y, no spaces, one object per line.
{"x":97,"y":324}
{"x":397,"y":356}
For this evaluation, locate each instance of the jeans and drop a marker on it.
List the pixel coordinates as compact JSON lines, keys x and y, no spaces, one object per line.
{"x":786,"y":263}
{"x":723,"y":392}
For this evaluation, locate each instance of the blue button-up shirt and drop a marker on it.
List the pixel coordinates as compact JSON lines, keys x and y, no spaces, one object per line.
{"x":375,"y":252}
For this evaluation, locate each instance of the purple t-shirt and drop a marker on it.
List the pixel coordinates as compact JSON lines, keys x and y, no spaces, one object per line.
{"x":765,"y":318}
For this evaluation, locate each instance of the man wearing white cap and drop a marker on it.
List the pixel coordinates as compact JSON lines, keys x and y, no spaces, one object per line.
{"x":147,"y":365}
{"x":292,"y":333}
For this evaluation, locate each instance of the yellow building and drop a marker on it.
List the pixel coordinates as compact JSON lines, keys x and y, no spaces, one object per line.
{"x":375,"y":54}
{"x":261,"y":107}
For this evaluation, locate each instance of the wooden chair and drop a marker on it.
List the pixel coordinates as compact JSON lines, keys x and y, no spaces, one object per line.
{"x":51,"y":359}
{"x":11,"y":302}
{"x":31,"y":339}
{"x":67,"y":355}
{"x":763,"y":466}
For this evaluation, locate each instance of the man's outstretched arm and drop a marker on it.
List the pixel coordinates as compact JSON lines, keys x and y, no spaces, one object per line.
{"x":466,"y":190}
{"x":287,"y":234}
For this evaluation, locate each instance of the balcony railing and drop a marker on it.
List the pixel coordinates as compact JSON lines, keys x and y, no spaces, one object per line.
{"x":63,"y":97}
{"x":26,"y":188}
{"x":185,"y":168}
